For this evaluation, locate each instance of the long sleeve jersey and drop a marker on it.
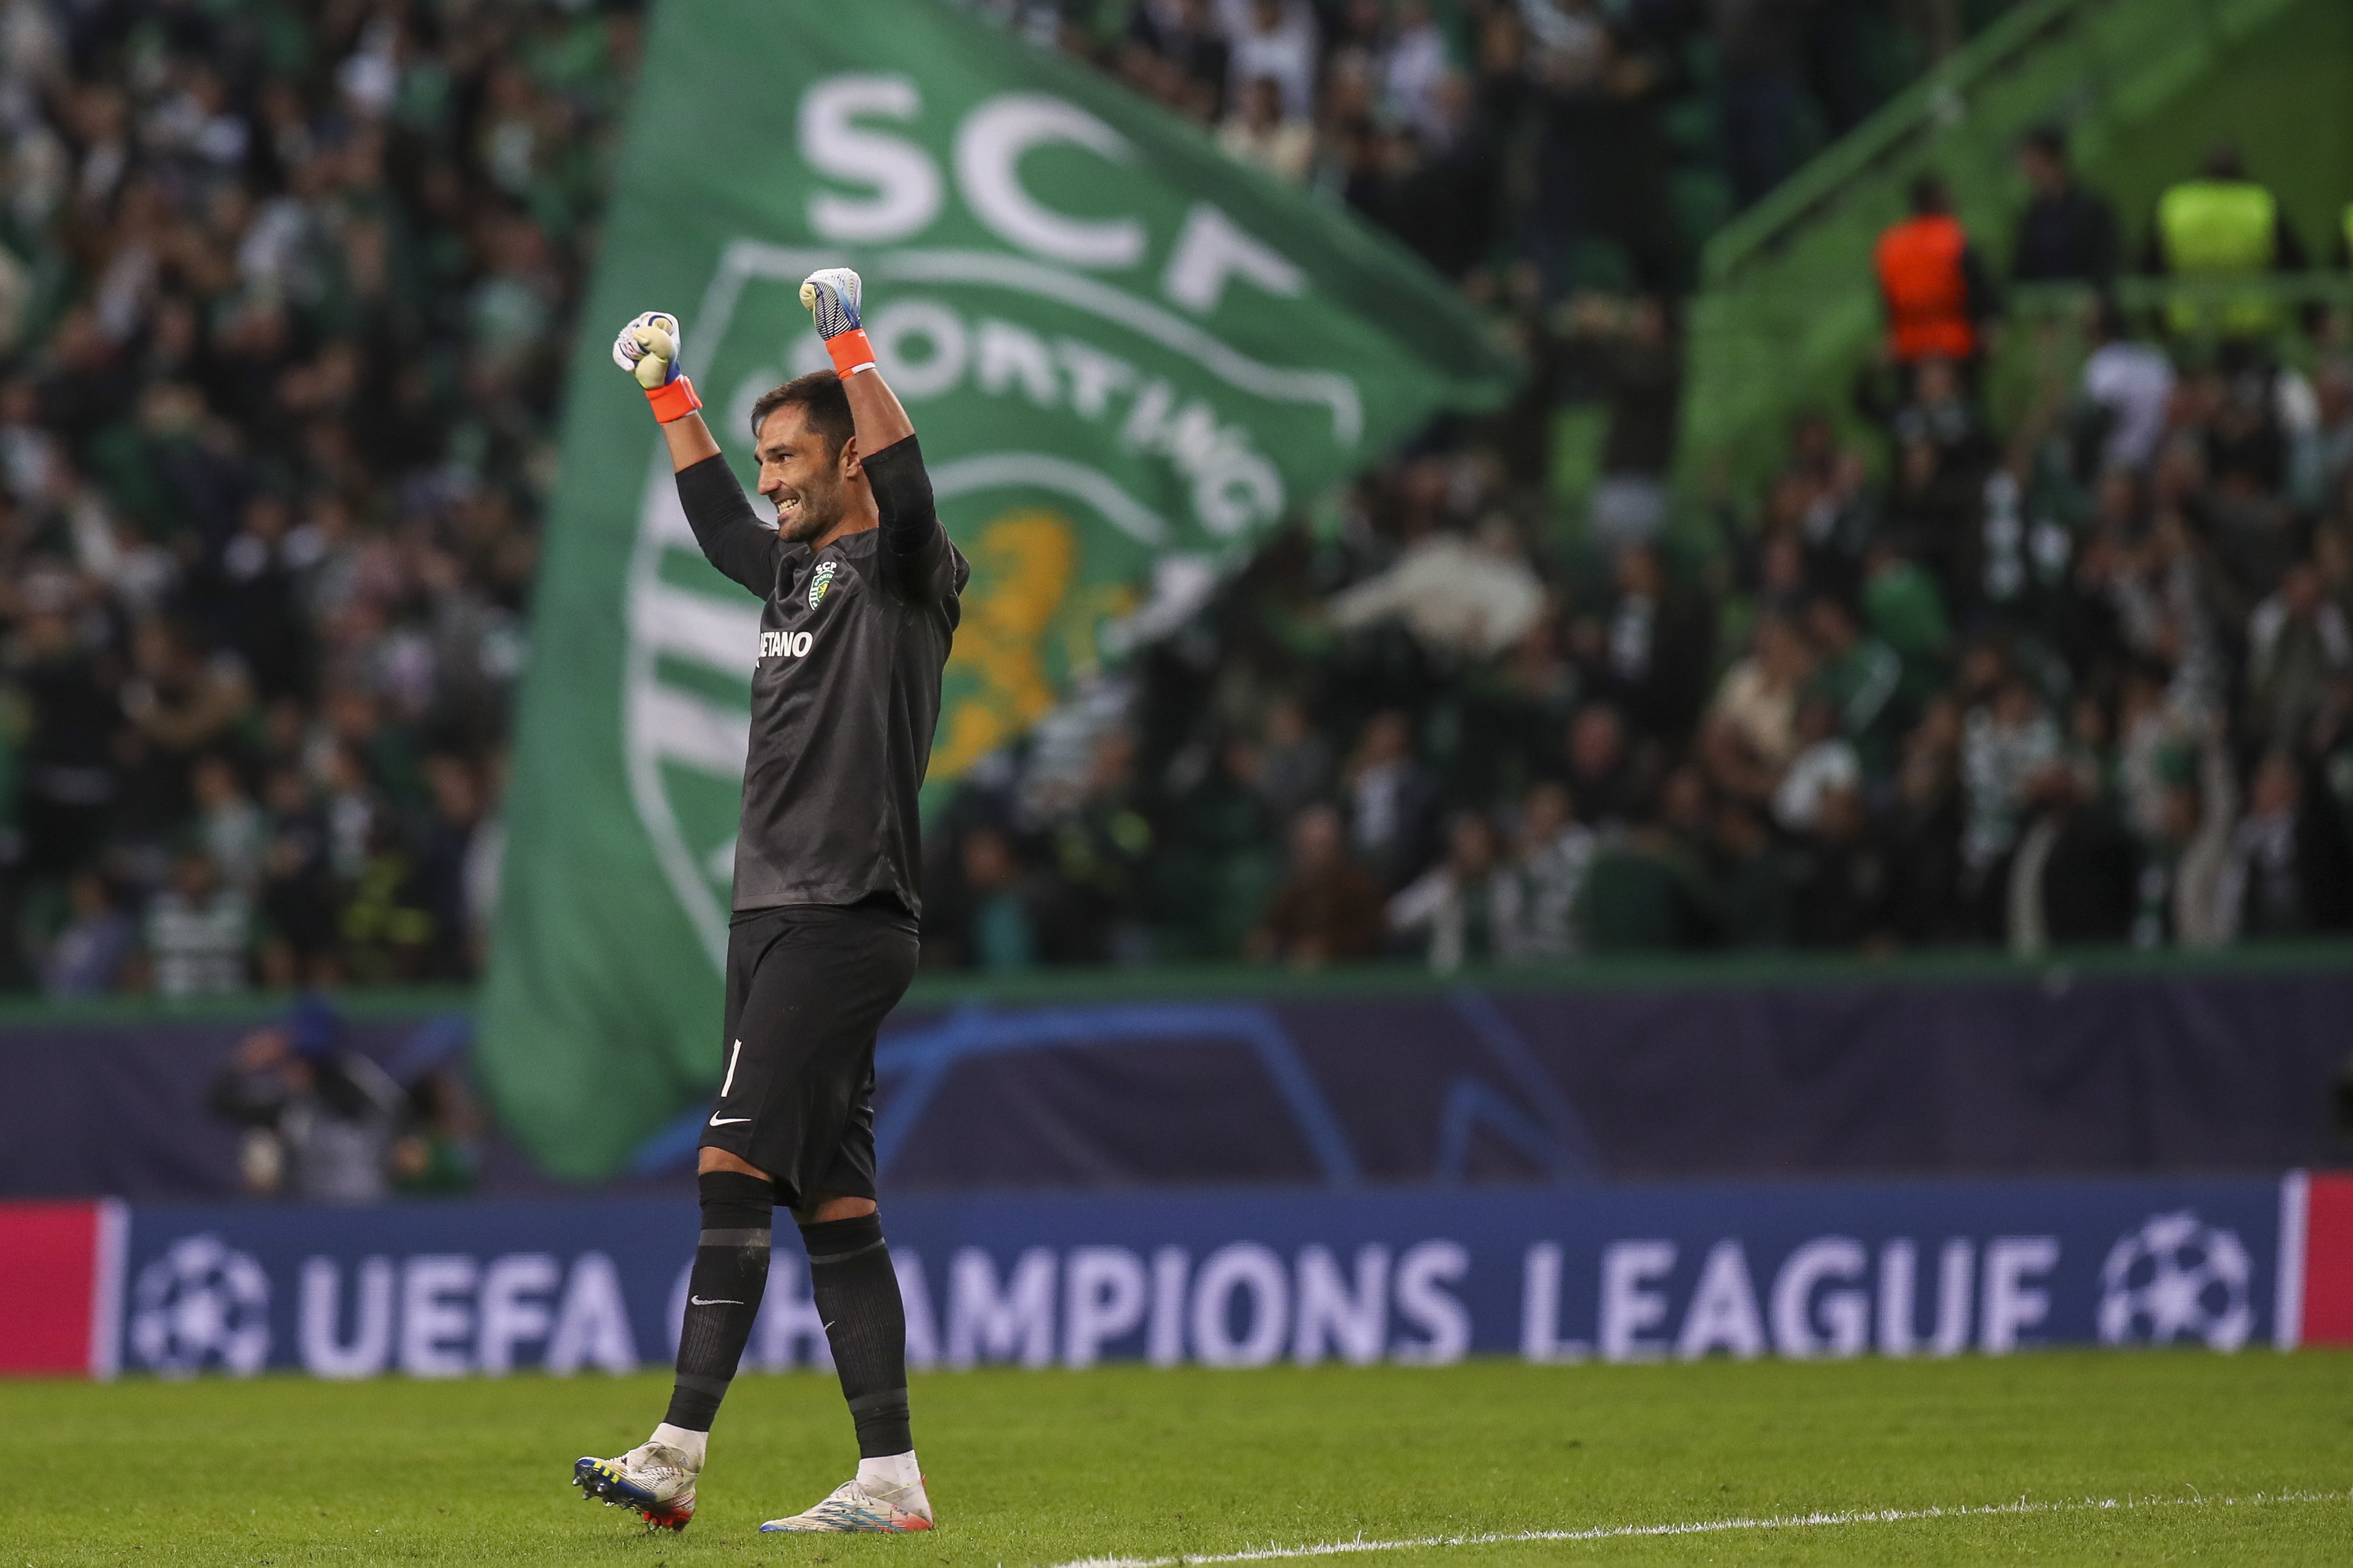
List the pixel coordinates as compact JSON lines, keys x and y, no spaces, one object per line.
{"x":847,"y":689}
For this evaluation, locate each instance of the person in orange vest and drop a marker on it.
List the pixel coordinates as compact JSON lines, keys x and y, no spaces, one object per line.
{"x":1940,"y":296}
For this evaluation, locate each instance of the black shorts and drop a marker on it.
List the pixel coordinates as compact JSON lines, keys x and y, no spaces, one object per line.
{"x":807,"y":987}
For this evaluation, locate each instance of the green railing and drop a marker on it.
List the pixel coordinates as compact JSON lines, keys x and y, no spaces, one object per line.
{"x":1788,"y":309}
{"x":2047,"y":329}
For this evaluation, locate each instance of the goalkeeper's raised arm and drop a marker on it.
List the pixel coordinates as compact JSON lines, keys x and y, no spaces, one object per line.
{"x":724,"y":523}
{"x":915,"y":548}
{"x":835,"y":459}
{"x":648,"y":349}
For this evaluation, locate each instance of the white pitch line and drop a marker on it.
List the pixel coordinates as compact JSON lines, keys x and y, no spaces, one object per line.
{"x":1705,"y":1527}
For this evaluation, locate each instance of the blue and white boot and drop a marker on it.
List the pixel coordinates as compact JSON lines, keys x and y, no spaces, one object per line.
{"x":653,"y":1479}
{"x":861,"y":1508}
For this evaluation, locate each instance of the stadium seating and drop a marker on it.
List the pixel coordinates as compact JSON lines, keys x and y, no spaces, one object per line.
{"x":282,"y":303}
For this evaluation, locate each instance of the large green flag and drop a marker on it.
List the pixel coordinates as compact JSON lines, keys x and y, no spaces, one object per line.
{"x":1126,"y":356}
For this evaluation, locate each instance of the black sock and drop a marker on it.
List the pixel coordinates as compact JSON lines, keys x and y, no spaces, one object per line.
{"x":856,"y":1295}
{"x":731,"y":1270}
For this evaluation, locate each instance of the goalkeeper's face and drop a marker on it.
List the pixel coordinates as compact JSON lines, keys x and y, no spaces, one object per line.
{"x":803,"y":475}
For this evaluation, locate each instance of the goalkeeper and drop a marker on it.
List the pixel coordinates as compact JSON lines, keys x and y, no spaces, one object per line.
{"x":859,"y":587}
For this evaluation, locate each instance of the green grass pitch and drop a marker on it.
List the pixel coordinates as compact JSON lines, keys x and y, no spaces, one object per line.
{"x":2232,"y":1459}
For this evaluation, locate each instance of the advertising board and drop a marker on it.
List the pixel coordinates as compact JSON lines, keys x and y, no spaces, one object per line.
{"x":1240,"y":1277}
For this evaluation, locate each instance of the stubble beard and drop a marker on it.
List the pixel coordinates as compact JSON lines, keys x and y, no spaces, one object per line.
{"x":812,"y":518}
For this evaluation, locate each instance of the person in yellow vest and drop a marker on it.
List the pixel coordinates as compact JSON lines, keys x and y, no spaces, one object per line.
{"x":1938,"y":295}
{"x":2223,"y":225}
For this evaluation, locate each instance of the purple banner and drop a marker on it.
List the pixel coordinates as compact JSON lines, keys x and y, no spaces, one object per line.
{"x":2195,"y":1073}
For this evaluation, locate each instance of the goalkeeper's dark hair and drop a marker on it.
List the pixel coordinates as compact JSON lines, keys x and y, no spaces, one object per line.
{"x":822,"y":402}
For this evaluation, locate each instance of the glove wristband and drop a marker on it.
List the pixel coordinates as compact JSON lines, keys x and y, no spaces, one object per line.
{"x":851,"y":352}
{"x":674,"y":399}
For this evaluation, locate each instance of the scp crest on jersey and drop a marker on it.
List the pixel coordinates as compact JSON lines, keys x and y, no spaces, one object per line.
{"x":822,"y":580}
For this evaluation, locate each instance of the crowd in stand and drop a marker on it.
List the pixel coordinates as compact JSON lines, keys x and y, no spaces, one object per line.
{"x":2083,"y":677}
{"x":283,"y":289}
{"x":1598,"y":138}
{"x":2086,"y":679}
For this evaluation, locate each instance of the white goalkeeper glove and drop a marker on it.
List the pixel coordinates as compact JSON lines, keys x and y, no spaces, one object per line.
{"x":832,"y":298}
{"x":648,"y":348}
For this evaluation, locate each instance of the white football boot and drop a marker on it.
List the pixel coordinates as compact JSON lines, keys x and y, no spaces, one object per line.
{"x":653,"y":1478}
{"x":859,"y":1508}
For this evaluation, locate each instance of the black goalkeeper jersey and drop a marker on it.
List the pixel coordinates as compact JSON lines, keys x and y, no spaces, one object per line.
{"x":847,"y":689}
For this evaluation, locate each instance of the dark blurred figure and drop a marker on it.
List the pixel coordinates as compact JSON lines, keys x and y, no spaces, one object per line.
{"x":1934,"y":410}
{"x":1100,"y":850}
{"x":1604,"y":777}
{"x":88,"y":957}
{"x":1632,"y":353}
{"x":1943,"y":453}
{"x":1258,"y":133}
{"x":1654,"y":650}
{"x":66,"y":682}
{"x":1465,"y":908}
{"x":1847,"y":80}
{"x":1392,"y":803}
{"x":323,"y":1118}
{"x":1649,"y":891}
{"x":1001,"y":933}
{"x":1295,"y":765}
{"x":1904,"y":608}
{"x":1601,"y":154}
{"x":1328,"y":909}
{"x":298,"y":887}
{"x":1842,"y":877}
{"x":252,"y":601}
{"x":1760,"y":91}
{"x":445,"y":845}
{"x":1175,"y":52}
{"x":1207,"y":895}
{"x":198,"y":935}
{"x":2299,"y":645}
{"x":440,"y":1156}
{"x":181,"y":699}
{"x":2067,"y":233}
{"x":1862,"y":677}
{"x":2186,"y":852}
{"x":2072,"y":878}
{"x":390,"y":935}
{"x":1554,"y":854}
{"x":1751,"y":878}
{"x":2288,"y":872}
{"x":1927,"y":901}
{"x":1440,"y":200}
